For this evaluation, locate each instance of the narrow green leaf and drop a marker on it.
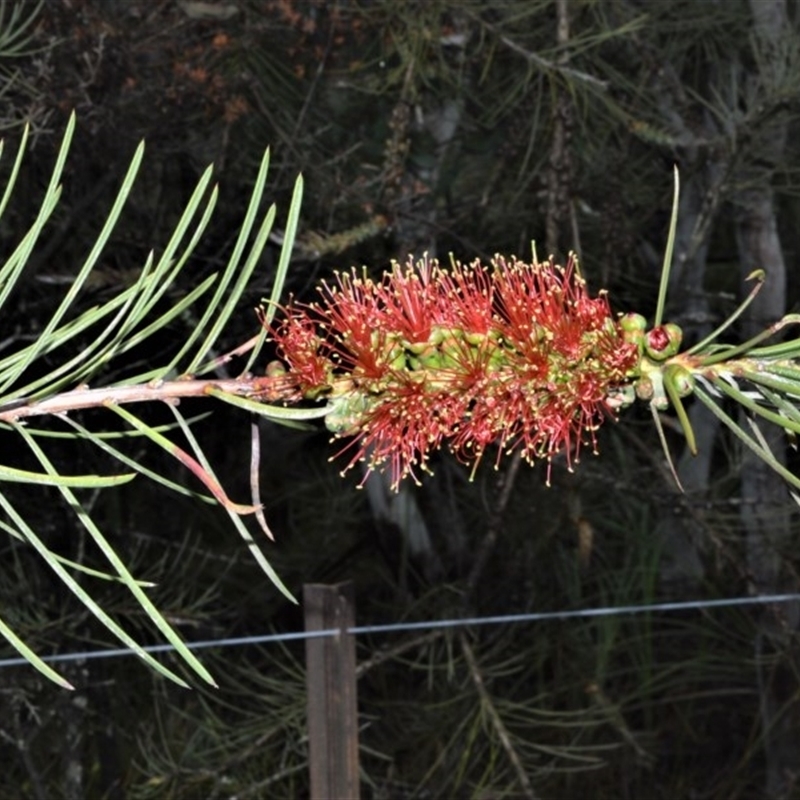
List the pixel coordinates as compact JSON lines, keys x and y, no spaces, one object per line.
{"x":665,"y":269}
{"x":194,"y":466}
{"x":782,"y":404}
{"x":10,"y":272}
{"x":199,"y":327}
{"x":12,"y":179}
{"x":283,"y":267}
{"x":751,"y":295}
{"x":135,"y":465}
{"x":13,"y":41}
{"x":31,"y":657}
{"x":81,"y":367}
{"x":743,"y":400}
{"x":66,"y":332}
{"x":749,"y":347}
{"x":137,"y":301}
{"x":173,"y":312}
{"x":665,"y":446}
{"x":100,"y":352}
{"x":233,"y":263}
{"x":784,"y":370}
{"x":18,"y":259}
{"x":760,"y":436}
{"x":13,"y":475}
{"x":93,"y":573}
{"x":105,"y":436}
{"x":680,"y":410}
{"x":747,"y":440}
{"x":788,"y":350}
{"x":84,"y":596}
{"x":277,"y":413}
{"x":108,"y":551}
{"x":167,"y":268}
{"x":780,"y":383}
{"x":241,"y":284}
{"x":77,"y":283}
{"x":237,"y":521}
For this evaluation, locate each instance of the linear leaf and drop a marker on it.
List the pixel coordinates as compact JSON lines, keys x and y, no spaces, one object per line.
{"x":765,"y":455}
{"x":82,"y":366}
{"x":84,"y":596}
{"x":667,"y":266}
{"x":77,"y":283}
{"x":233,"y":261}
{"x":13,"y":40}
{"x":19,"y":257}
{"x":174,"y":311}
{"x":779,"y":382}
{"x":104,"y":436}
{"x":134,"y":464}
{"x":31,"y":657}
{"x":108,"y":551}
{"x":93,"y":573}
{"x":788,"y":350}
{"x":283,"y":267}
{"x":14,"y":475}
{"x":742,"y":399}
{"x":194,"y":466}
{"x":237,"y":521}
{"x":276,"y":413}
{"x":210,"y":309}
{"x":167,"y":268}
{"x":16,"y":262}
{"x":12,"y":179}
{"x":781,"y":403}
{"x":66,"y":332}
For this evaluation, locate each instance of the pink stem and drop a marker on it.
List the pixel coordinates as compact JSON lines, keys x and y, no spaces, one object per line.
{"x":84,"y":397}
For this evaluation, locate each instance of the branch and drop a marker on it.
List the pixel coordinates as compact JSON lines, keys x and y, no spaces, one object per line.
{"x":497,"y":721}
{"x":261,"y":388}
{"x":545,"y":63}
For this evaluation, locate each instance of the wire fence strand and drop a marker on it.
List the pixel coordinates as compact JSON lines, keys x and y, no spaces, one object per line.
{"x":423,"y":625}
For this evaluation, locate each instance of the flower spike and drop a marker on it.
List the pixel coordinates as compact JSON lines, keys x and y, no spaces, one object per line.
{"x":513,"y":354}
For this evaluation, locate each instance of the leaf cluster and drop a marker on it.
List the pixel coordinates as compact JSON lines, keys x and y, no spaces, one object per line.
{"x":37,"y":373}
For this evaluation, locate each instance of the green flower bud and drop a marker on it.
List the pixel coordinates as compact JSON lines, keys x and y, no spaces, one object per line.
{"x":475,"y":339}
{"x":275,"y":369}
{"x":397,"y":358}
{"x":680,"y":378}
{"x":632,"y":322}
{"x":348,"y":412}
{"x":417,"y":348}
{"x":644,"y":388}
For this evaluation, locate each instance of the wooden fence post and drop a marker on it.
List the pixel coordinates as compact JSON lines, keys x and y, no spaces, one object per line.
{"x":331,"y":688}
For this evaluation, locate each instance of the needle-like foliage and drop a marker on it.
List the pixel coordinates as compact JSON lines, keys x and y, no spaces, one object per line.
{"x":78,"y":346}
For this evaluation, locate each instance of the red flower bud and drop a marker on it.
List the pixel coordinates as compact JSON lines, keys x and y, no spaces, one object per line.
{"x":663,"y":341}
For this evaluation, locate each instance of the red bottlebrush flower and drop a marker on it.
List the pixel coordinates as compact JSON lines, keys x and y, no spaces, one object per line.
{"x":404,"y":426}
{"x":466,"y":298}
{"x":409,"y":301}
{"x":299,"y":345}
{"x":515,"y":354}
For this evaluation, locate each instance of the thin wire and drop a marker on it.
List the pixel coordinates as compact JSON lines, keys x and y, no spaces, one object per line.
{"x":396,"y":627}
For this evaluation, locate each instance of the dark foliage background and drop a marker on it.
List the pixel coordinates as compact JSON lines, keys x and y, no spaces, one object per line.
{"x":469,"y":127}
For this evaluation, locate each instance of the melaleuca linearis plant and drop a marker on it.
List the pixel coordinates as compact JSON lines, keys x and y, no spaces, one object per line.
{"x":485,"y":359}
{"x":513,"y":355}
